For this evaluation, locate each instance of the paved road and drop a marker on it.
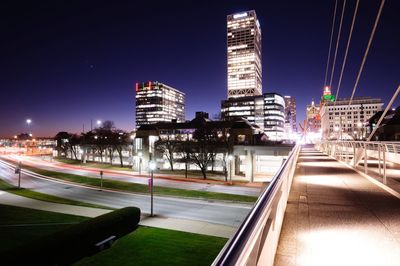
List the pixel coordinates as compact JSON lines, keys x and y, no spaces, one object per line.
{"x":128,"y":177}
{"x":335,"y":216}
{"x":220,"y":213}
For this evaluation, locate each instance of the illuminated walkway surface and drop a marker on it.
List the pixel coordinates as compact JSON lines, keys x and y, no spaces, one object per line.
{"x":335,"y":216}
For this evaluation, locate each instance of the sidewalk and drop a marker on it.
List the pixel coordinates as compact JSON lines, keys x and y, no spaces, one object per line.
{"x":335,"y":216}
{"x":197,"y":227}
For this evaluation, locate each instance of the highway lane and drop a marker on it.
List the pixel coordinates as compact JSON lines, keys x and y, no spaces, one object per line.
{"x":130,"y":177}
{"x":208,"y":211}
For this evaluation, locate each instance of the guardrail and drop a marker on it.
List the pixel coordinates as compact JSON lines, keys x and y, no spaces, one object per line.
{"x":256,"y":240}
{"x":353,"y":152}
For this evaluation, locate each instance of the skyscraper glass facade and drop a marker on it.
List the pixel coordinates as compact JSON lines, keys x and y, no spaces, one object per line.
{"x":157,"y":102}
{"x":244,"y":55}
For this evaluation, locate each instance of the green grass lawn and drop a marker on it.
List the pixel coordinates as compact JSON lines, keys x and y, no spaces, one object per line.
{"x":145,"y":246}
{"x":140,"y":188}
{"x":154,"y":246}
{"x":18,"y":225}
{"x":94,"y":164}
{"x":44,"y":197}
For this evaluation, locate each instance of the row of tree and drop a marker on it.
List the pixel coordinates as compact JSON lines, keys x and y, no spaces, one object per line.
{"x":105,"y":139}
{"x":201,"y":150}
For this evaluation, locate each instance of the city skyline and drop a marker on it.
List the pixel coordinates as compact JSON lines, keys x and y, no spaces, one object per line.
{"x":84,"y":66}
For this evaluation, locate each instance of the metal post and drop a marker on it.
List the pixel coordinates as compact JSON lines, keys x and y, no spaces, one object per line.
{"x":101,"y":179}
{"x":19,"y":174}
{"x":230,"y":170}
{"x":384,"y":165}
{"x":365,"y":159}
{"x":379,"y":159}
{"x":151,"y":191}
{"x":140,"y":165}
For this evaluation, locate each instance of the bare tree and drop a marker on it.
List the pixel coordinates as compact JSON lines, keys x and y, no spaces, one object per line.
{"x":169,"y":148}
{"x":68,"y":142}
{"x":203,"y":150}
{"x":120,"y":139}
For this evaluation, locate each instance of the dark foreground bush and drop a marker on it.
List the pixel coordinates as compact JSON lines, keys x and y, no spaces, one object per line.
{"x":75,"y":242}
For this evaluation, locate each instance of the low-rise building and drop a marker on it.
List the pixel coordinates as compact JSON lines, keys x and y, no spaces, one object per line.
{"x":250,"y":151}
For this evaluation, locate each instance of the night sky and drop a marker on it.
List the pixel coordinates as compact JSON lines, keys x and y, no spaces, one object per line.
{"x":64,"y":63}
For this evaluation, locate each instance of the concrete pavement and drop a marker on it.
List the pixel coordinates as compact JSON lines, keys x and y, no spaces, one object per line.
{"x":230,"y":214}
{"x":184,"y":225}
{"x":335,"y":216}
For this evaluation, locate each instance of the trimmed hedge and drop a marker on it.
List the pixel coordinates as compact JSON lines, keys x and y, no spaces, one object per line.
{"x":72,"y":244}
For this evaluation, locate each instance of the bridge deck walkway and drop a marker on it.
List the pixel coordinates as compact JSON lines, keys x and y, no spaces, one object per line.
{"x":335,"y":216}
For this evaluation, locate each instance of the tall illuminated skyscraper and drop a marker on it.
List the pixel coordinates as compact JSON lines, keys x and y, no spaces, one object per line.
{"x":244,"y":55}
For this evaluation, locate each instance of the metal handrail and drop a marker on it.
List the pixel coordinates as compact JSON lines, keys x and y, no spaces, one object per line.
{"x":353,"y":152}
{"x":234,"y":248}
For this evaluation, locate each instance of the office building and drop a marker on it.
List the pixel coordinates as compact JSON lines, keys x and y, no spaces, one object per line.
{"x":339,"y":120}
{"x":290,"y":114}
{"x":158,"y":102}
{"x":244,"y":55}
{"x":313,"y":117}
{"x":266,"y":111}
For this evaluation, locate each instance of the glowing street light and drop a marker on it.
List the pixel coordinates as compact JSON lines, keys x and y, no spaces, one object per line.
{"x":98,"y":122}
{"x":152,"y":167}
{"x":29,"y":121}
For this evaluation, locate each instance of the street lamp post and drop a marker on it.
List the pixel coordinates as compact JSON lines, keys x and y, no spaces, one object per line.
{"x":140,"y":162}
{"x":18,"y":171}
{"x":132,"y":137}
{"x":361,"y":129}
{"x":152,"y":167}
{"x":230,"y":157}
{"x":101,"y":180}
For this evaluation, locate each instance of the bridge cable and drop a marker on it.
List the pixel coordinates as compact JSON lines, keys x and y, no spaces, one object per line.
{"x":367,"y":50}
{"x":384,"y":113}
{"x":337,"y":43}
{"x":330,"y":44}
{"x":347,"y":50}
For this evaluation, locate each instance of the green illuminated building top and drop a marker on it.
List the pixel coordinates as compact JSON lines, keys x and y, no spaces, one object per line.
{"x":327,"y":96}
